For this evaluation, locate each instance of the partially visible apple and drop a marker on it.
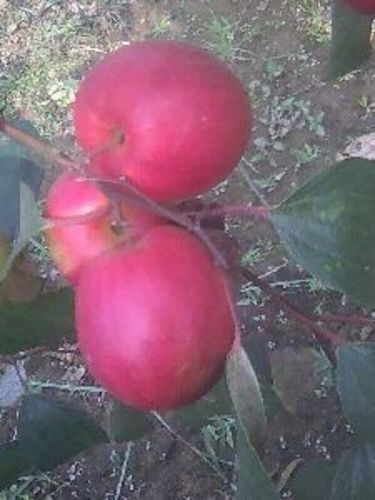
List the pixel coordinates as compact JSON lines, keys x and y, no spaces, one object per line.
{"x":82,"y":224}
{"x":180,"y":118}
{"x":72,"y":242}
{"x":154,"y":320}
{"x":362,"y":6}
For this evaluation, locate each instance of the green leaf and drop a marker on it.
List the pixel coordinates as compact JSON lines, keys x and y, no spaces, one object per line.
{"x":216,"y":402}
{"x":13,"y":463}
{"x":127,"y":424}
{"x":246,"y":396}
{"x":355,"y":475}
{"x":9,"y":147}
{"x":253,"y":481}
{"x":327,"y":226}
{"x":15,"y":171}
{"x":5,"y":251}
{"x":30,"y":223}
{"x":313,"y":480}
{"x":40,"y":322}
{"x":51,"y":431}
{"x":256,"y":348}
{"x":294,"y":375}
{"x":355,"y":384}
{"x":351,"y":46}
{"x":272,"y":402}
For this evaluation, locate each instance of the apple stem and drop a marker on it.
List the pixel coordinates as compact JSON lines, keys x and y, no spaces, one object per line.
{"x":41,"y":147}
{"x":117,"y":139}
{"x":321,"y":333}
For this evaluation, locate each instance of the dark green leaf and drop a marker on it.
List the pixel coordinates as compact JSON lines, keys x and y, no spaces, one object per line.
{"x":127,"y":424}
{"x":246,"y":396}
{"x":51,"y":431}
{"x":355,"y":475}
{"x":15,"y":171}
{"x":350,"y":46}
{"x":327,"y":226}
{"x":13,"y":463}
{"x":41,"y":322}
{"x":256,"y":348}
{"x":355,"y":384}
{"x":216,"y":402}
{"x":253,"y":482}
{"x":272,"y":402}
{"x":294,"y":375}
{"x":30,"y":224}
{"x":313,"y":480}
{"x":5,"y":251}
{"x":12,"y":148}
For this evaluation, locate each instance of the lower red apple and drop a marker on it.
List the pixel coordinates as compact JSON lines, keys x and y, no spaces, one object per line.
{"x":82,"y":223}
{"x":154,"y":320}
{"x":362,"y":6}
{"x":168,"y":115}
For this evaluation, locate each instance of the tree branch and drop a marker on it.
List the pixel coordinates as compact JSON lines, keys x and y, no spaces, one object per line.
{"x":38,"y":145}
{"x":321,"y":333}
{"x":126,"y":187}
{"x":353,"y":319}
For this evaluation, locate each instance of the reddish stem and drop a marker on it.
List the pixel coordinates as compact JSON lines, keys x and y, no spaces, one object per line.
{"x":321,"y":333}
{"x":117,"y":139}
{"x":353,"y":319}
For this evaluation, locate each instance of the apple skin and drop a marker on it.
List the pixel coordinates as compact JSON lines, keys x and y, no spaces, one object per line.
{"x":362,"y":6}
{"x":185,"y":118}
{"x":154,"y":320}
{"x":73,"y":243}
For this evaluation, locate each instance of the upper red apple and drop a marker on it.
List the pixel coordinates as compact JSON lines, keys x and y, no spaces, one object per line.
{"x":362,"y":6}
{"x":184,"y":118}
{"x":154,"y":320}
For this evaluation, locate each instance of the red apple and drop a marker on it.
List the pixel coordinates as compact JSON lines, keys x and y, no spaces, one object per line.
{"x":154,"y":320}
{"x":362,"y":6}
{"x":73,"y":243}
{"x":82,"y":223}
{"x":184,"y":118}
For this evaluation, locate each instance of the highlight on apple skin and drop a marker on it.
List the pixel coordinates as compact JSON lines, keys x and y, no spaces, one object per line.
{"x":362,"y":6}
{"x":154,"y":320}
{"x":168,"y":115}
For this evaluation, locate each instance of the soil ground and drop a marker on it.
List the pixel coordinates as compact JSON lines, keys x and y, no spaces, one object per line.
{"x":279,"y":49}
